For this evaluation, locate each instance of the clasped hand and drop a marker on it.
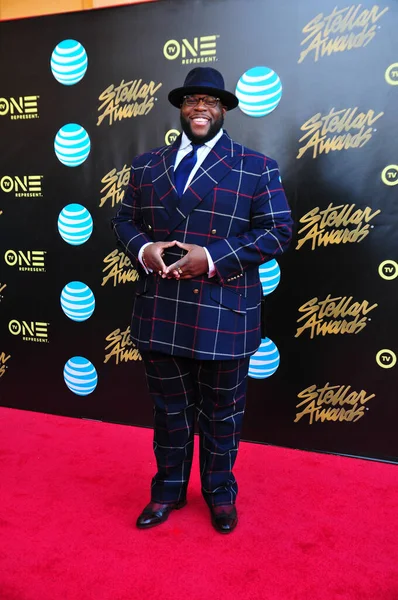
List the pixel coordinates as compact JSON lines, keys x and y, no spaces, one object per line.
{"x":194,"y":262}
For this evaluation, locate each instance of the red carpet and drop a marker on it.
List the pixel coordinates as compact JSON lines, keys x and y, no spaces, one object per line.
{"x":312,"y":527}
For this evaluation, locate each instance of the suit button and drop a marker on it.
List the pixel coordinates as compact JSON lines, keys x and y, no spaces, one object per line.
{"x":149,"y":227}
{"x":214,"y":231}
{"x":196,"y":291}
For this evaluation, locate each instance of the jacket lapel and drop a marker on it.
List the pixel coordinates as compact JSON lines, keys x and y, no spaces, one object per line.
{"x":162,"y":176}
{"x":218,"y":163}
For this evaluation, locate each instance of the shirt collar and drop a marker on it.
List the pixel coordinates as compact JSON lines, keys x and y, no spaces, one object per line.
{"x":185,"y":141}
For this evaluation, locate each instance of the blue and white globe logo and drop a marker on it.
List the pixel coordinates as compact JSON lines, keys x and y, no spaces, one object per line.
{"x":77,"y":301}
{"x":75,"y":224}
{"x":270,"y":276}
{"x":69,"y":62}
{"x":259,"y":91}
{"x":265,"y":361}
{"x":72,"y":145}
{"x":80,"y":376}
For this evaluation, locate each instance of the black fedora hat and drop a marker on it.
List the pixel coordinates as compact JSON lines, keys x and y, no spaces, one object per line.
{"x":204,"y":80}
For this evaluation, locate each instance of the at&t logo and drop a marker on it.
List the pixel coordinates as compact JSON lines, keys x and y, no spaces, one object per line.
{"x":199,"y":50}
{"x":69,"y":62}
{"x":28,"y":186}
{"x":80,"y":376}
{"x":259,"y":91}
{"x":30,"y":331}
{"x":24,"y":107}
{"x":26,"y":260}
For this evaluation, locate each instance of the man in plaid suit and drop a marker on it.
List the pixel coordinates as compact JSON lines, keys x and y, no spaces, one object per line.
{"x":197,"y":220}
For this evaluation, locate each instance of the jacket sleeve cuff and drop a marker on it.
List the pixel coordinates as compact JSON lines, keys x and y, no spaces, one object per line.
{"x":212,"y":270}
{"x":140,"y":253}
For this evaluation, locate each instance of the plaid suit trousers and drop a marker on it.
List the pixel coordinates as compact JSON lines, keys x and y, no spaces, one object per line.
{"x":215,"y":391}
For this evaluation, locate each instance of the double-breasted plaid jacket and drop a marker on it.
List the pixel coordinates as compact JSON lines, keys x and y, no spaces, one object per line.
{"x":235,"y":206}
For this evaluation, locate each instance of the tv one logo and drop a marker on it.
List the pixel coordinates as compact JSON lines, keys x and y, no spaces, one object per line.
{"x":24,"y":107}
{"x":197,"y":50}
{"x":23,"y":186}
{"x":26,"y":260}
{"x":30,"y":331}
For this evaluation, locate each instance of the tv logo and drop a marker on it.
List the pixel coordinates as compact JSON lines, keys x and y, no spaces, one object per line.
{"x":24,"y":107}
{"x":33,"y":331}
{"x":199,"y":50}
{"x":26,"y":260}
{"x":391,"y":74}
{"x":24,"y":186}
{"x":386,"y":359}
{"x":171,"y":136}
{"x":388,"y":270}
{"x":389,"y":175}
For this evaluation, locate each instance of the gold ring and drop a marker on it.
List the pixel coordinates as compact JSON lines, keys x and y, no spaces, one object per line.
{"x":179,"y":271}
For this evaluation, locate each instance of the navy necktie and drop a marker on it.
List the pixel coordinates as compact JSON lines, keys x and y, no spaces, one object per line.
{"x":184,"y":169}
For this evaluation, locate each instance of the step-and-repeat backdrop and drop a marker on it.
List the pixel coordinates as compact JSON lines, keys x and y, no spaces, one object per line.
{"x":82,"y":94}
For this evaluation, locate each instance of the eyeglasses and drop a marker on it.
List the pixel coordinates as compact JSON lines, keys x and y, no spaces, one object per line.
{"x":209,"y":101}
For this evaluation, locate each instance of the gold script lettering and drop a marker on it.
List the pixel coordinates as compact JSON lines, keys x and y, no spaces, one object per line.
{"x":120,"y":347}
{"x":342,"y":403}
{"x":117,"y":269}
{"x":114,"y":185}
{"x":340,"y":122}
{"x":128,"y":99}
{"x":348,"y":225}
{"x":337,"y":310}
{"x":351,"y":27}
{"x":3,"y":359}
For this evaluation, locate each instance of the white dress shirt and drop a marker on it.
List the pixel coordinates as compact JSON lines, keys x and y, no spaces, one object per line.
{"x":184,"y":149}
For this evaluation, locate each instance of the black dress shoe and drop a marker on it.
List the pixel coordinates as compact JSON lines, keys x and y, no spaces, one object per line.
{"x":224,"y":518}
{"x":155,"y":513}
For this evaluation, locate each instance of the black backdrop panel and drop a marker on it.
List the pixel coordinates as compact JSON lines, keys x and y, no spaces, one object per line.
{"x":329,"y":380}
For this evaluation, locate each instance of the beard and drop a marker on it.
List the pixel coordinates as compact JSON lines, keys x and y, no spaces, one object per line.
{"x":195,"y":139}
